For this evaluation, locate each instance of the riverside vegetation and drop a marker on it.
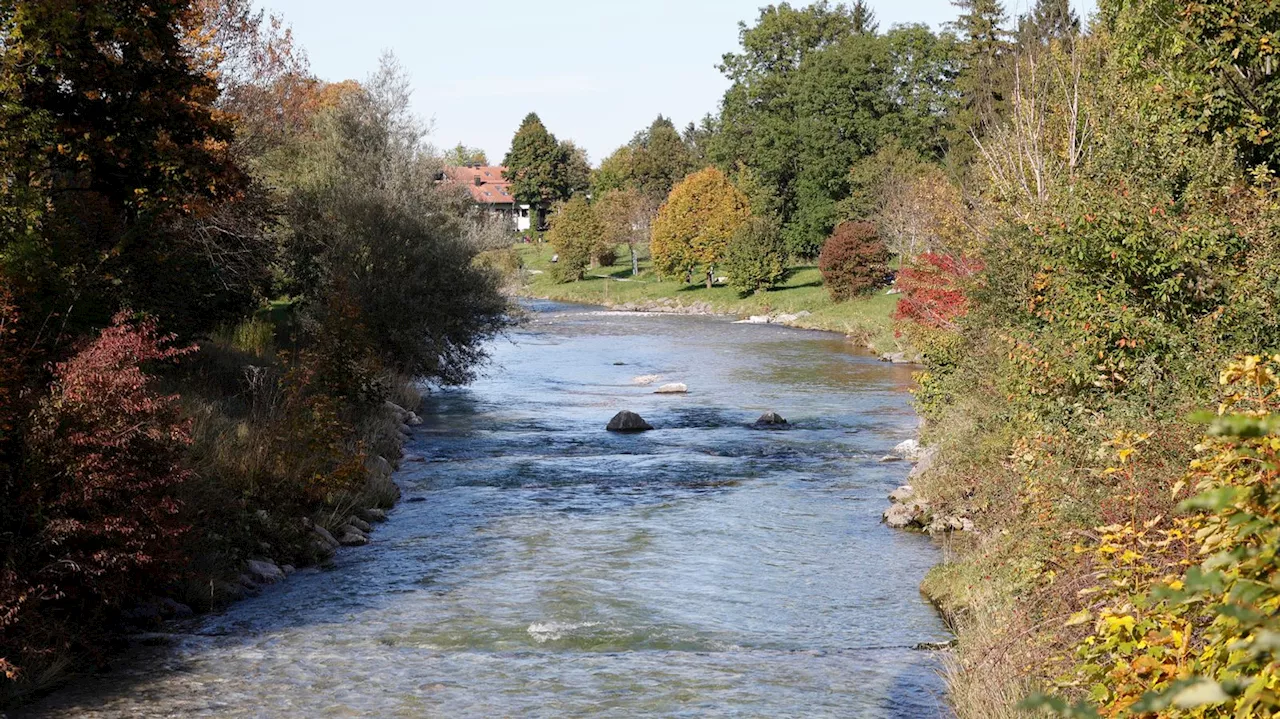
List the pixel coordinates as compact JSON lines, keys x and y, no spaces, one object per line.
{"x":1082,"y":222}
{"x":1086,"y":223}
{"x":220,"y":279}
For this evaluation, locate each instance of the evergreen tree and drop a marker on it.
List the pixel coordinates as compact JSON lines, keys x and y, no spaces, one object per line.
{"x":1048,"y":20}
{"x":983,"y":82}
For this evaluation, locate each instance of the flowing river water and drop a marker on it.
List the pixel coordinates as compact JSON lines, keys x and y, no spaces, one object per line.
{"x":541,"y":567}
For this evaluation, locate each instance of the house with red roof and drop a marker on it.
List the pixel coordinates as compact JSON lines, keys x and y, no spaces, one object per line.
{"x":491,"y":190}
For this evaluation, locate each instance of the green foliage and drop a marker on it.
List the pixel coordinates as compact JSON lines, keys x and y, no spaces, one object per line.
{"x":757,"y":256}
{"x":693,"y":227}
{"x":543,"y":170}
{"x":461,"y":156}
{"x":1217,"y":60}
{"x":371,"y":242}
{"x":577,"y":236}
{"x":853,"y":261}
{"x":814,"y":92}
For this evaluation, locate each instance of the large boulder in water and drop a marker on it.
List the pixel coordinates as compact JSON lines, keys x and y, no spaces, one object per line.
{"x":771,"y":419}
{"x":628,"y":421}
{"x":673,"y":388}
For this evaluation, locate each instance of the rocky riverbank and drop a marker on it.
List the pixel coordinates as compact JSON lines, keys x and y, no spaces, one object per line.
{"x":350,"y":527}
{"x":908,"y":509}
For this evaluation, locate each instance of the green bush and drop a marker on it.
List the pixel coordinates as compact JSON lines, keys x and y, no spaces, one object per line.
{"x":756,"y":258}
{"x":853,"y":261}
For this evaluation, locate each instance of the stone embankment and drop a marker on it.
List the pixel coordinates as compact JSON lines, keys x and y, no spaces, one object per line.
{"x":908,"y":510}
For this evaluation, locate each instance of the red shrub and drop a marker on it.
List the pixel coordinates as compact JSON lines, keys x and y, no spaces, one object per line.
{"x":853,"y":260}
{"x":933,"y":290}
{"x":98,"y":523}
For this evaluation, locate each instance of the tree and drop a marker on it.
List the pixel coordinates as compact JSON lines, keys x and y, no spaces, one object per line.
{"x":106,"y":146}
{"x":1048,"y":20}
{"x":853,"y":261}
{"x":756,"y":258}
{"x":659,"y":159}
{"x":462,"y":156}
{"x":614,"y":173}
{"x":536,"y":165}
{"x":982,"y":82}
{"x":369,"y":237}
{"x":576,"y":168}
{"x":626,"y":215}
{"x":693,"y":227}
{"x":577,"y":235}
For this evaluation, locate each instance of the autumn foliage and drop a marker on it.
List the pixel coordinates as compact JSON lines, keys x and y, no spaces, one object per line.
{"x":853,"y":260}
{"x":933,"y":289}
{"x":105,"y":453}
{"x":693,"y":227}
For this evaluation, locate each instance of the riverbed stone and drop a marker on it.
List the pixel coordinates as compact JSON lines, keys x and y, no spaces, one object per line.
{"x":673,"y":388}
{"x":904,"y":515}
{"x":373,"y":514}
{"x":902,"y":494}
{"x":359,"y":524}
{"x":324,"y":536}
{"x":628,"y":421}
{"x":908,"y":449}
{"x":263,"y":571}
{"x":413,"y":420}
{"x":770,"y":419}
{"x":349,"y":536}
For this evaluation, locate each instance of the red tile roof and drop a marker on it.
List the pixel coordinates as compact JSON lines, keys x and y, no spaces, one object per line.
{"x":493,"y":188}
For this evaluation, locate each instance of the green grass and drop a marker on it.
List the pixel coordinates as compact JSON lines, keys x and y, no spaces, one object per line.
{"x":866,"y":318}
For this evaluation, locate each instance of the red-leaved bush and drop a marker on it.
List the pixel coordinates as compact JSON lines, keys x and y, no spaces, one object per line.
{"x":103,"y":455}
{"x":933,"y":290}
{"x":853,"y":260}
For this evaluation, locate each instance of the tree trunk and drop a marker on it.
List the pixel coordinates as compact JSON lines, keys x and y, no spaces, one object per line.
{"x":635,"y":261}
{"x":710,"y":276}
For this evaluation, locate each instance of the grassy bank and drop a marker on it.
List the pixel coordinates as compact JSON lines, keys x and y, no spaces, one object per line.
{"x":867,"y":319}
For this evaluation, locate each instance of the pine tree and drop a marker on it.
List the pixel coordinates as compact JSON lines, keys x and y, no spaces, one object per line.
{"x":983,"y":82}
{"x":1048,"y":20}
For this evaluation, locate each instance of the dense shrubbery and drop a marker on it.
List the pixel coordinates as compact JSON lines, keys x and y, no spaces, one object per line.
{"x":853,"y":261}
{"x":756,"y":259}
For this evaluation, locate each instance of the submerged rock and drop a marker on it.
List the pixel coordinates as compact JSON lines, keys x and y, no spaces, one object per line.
{"x":673,"y":388}
{"x":628,"y":421}
{"x":770,"y":419}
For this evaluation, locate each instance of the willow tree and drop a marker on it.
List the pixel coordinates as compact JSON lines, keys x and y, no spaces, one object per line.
{"x":693,"y":227}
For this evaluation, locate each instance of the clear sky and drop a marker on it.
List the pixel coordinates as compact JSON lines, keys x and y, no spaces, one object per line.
{"x":595,"y":71}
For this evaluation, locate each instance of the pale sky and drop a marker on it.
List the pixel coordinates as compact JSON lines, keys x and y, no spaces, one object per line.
{"x":594,"y":71}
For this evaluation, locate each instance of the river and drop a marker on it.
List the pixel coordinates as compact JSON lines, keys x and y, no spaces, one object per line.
{"x":541,"y":567}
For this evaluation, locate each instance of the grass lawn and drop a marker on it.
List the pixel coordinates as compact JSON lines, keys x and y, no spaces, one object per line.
{"x":867,"y":318}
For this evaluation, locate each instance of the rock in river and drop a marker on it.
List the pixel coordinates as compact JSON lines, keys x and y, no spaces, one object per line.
{"x":673,"y":388}
{"x":628,"y":421}
{"x":770,"y":419}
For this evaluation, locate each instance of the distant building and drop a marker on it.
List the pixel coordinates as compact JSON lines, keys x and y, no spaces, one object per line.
{"x":490,"y":190}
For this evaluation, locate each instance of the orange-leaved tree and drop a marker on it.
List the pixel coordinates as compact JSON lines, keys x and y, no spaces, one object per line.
{"x":693,"y":227}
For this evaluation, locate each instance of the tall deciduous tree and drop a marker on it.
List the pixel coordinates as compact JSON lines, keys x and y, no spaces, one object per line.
{"x":627,"y":216}
{"x":693,"y":227}
{"x":111,"y":135}
{"x":535,"y":164}
{"x":577,"y":235}
{"x":660,"y":159}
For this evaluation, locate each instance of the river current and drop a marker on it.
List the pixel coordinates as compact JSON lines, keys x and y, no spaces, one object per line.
{"x":541,"y":567}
